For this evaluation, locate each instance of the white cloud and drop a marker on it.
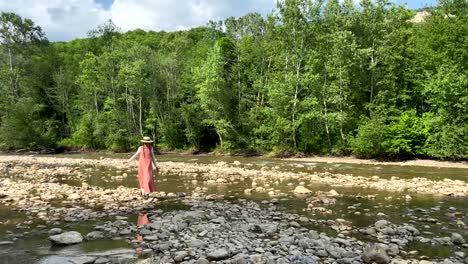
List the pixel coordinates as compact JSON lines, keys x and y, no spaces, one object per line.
{"x":68,"y":19}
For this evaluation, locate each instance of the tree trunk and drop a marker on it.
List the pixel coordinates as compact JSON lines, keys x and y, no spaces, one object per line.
{"x":140,"y":113}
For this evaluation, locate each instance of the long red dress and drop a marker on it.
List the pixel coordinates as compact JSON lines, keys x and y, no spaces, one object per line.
{"x":145,"y":169}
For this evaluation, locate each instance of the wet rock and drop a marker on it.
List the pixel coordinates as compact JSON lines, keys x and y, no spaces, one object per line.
{"x":457,"y":239}
{"x":82,"y":260}
{"x":375,"y":253}
{"x":101,"y":260}
{"x":218,"y":254}
{"x":67,"y":238}
{"x":94,"y":235}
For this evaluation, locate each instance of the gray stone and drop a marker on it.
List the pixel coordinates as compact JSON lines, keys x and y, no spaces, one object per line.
{"x":269,"y":229}
{"x":302,"y":260}
{"x":55,"y":231}
{"x":294,"y":224}
{"x":259,"y":250}
{"x":4,"y":243}
{"x":180,"y":255}
{"x":457,"y":239}
{"x":67,"y":238}
{"x":375,"y":253}
{"x":381,"y":224}
{"x":343,"y":242}
{"x":460,"y":254}
{"x":202,"y":260}
{"x":151,"y":238}
{"x":101,"y":260}
{"x":218,"y":254}
{"x":197,"y":243}
{"x":94,"y":235}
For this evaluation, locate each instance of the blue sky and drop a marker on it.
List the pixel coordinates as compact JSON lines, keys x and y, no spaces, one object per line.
{"x":414,"y":4}
{"x":69,"y":19}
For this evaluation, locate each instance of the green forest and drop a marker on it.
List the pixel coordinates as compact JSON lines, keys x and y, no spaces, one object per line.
{"x":313,"y":77}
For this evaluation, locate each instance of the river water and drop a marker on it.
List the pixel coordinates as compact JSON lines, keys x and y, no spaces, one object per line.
{"x":357,"y":205}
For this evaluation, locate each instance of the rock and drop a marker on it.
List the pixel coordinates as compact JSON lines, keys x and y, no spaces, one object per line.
{"x":460,"y":254}
{"x":55,"y":231}
{"x":375,"y":253}
{"x":302,"y":190}
{"x":457,"y":239}
{"x":425,"y":262}
{"x":294,"y":224}
{"x":202,"y":260}
{"x":203,"y":233}
{"x":259,"y":250}
{"x":67,"y":238}
{"x":151,"y":238}
{"x":221,"y":181}
{"x":302,"y":260}
{"x":94,"y":235}
{"x":381,"y":224}
{"x":343,"y":242}
{"x":218,"y":254}
{"x":4,"y":243}
{"x":83,"y":260}
{"x":333,"y":193}
{"x":269,"y":229}
{"x":101,"y":260}
{"x":197,"y":243}
{"x":74,"y":196}
{"x":180,"y":255}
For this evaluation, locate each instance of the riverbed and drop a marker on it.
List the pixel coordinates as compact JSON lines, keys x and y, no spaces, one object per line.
{"x":230,"y":210}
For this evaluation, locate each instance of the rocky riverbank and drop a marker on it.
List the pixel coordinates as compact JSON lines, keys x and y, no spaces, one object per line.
{"x":223,"y":172}
{"x":250,"y":232}
{"x":227,"y":231}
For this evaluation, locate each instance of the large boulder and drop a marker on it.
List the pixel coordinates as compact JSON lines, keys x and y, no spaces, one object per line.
{"x":67,"y":238}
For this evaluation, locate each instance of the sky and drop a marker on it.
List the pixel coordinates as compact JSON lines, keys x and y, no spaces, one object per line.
{"x":63,"y":20}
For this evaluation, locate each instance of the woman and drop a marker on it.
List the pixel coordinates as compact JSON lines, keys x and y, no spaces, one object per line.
{"x":145,"y":168}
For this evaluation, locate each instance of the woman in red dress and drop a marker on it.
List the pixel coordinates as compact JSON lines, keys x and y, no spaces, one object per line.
{"x":145,"y":166}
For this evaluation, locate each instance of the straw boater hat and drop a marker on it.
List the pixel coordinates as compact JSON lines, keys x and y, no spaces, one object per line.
{"x":146,"y":140}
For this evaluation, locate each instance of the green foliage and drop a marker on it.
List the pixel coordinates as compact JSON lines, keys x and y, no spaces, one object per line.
{"x":322,"y":77}
{"x":371,"y":138}
{"x":23,"y":127}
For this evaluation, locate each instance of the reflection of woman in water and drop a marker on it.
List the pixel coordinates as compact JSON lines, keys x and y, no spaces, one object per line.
{"x":145,"y":168}
{"x":142,"y":221}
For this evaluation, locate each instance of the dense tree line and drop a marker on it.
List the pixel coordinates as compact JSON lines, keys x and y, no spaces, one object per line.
{"x":313,"y":77}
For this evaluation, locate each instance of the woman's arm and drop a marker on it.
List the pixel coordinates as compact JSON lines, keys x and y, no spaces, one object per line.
{"x":134,"y":155}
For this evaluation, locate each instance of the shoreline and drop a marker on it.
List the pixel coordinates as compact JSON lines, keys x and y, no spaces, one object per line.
{"x":415,"y":162}
{"x":222,"y":172}
{"x":321,"y":159}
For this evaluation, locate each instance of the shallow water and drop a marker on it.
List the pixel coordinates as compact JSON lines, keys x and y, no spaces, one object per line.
{"x":360,"y":206}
